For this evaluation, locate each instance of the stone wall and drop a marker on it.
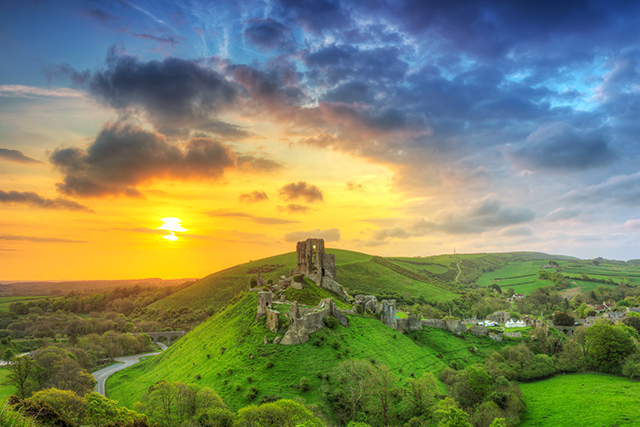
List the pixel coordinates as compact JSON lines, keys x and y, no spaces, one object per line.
{"x":264,"y":302}
{"x":301,"y":325}
{"x":273,"y":320}
{"x":455,"y":326}
{"x":388,"y":316}
{"x":501,"y":317}
{"x":478,"y":330}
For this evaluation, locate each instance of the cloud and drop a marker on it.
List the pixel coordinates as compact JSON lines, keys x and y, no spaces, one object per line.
{"x":301,"y":190}
{"x":632,"y":225}
{"x":32,"y":91}
{"x":619,"y":189}
{"x":562,"y":214}
{"x":559,"y":146}
{"x":293,"y":208}
{"x":176,"y":95}
{"x":524,"y":231}
{"x":330,"y":235}
{"x":38,"y":239}
{"x":260,"y":164}
{"x":254,"y":197}
{"x":354,"y":186}
{"x":258,"y":219}
{"x":16,"y":156}
{"x":314,"y":15}
{"x":482,"y":216}
{"x":29,"y":198}
{"x":125,"y":156}
{"x":268,"y":34}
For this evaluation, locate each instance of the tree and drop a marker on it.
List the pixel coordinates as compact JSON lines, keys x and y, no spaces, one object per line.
{"x":67,"y":403}
{"x":472,"y":386}
{"x":421,"y":396}
{"x":104,"y":412}
{"x":563,"y":319}
{"x":282,"y":413}
{"x":62,"y":371}
{"x":352,"y":382}
{"x":451,"y":415}
{"x":608,"y":348}
{"x":21,"y":372}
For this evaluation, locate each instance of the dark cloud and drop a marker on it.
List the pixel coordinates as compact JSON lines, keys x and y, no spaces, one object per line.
{"x":16,"y":156}
{"x":254,"y":197}
{"x":485,"y":215}
{"x":258,"y":219}
{"x":558,"y":146}
{"x":276,"y":86}
{"x":301,"y":190}
{"x":293,"y":208}
{"x":176,"y":95}
{"x":260,"y":164}
{"x":29,"y":198}
{"x":268,"y":34}
{"x":619,"y":189}
{"x":38,"y":239}
{"x":330,"y":235}
{"x":124,"y":156}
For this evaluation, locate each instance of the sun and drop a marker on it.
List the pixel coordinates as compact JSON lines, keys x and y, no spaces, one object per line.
{"x":172,"y":225}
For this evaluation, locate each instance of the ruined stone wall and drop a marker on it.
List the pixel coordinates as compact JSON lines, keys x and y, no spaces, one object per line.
{"x":301,"y":325}
{"x":455,"y":326}
{"x":501,"y":317}
{"x":265,"y":301}
{"x":273,"y":320}
{"x":389,"y":313}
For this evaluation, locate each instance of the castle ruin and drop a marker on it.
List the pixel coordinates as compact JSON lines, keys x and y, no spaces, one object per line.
{"x":265,"y":302}
{"x":319,"y":266}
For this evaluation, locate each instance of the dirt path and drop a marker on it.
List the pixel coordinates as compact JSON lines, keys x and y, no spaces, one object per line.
{"x":459,"y":270}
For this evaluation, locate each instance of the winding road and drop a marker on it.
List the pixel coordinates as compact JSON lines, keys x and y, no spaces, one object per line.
{"x":459,"y":270}
{"x":124,"y":362}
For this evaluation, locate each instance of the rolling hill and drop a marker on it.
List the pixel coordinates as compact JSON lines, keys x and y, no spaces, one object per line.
{"x":227,"y":353}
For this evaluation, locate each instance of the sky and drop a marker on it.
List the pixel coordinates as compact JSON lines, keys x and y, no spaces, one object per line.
{"x":394,"y":128}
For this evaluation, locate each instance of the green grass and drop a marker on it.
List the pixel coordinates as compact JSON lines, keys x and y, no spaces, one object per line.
{"x":235,"y":330}
{"x":5,"y":389}
{"x":6,"y":301}
{"x":581,"y":400}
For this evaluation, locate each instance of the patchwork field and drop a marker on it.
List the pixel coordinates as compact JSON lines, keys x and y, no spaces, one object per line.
{"x":579,"y":400}
{"x":6,"y":301}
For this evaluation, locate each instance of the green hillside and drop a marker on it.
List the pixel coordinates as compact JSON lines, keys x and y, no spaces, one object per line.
{"x":227,"y":353}
{"x":357,"y":272}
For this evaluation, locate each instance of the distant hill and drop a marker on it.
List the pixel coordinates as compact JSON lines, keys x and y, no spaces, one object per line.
{"x":417,"y":279}
{"x":227,"y":353}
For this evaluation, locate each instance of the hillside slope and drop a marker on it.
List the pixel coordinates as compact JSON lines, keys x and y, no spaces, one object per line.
{"x":357,"y":272}
{"x":227,"y":353}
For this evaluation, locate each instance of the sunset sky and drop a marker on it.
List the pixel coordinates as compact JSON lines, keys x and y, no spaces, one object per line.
{"x":385,"y":127}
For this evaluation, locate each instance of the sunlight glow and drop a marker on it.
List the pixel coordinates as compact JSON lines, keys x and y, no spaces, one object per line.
{"x":172,"y":225}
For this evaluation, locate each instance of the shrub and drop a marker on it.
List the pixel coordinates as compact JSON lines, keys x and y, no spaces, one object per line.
{"x":251,"y":393}
{"x":269,"y":365}
{"x":304,"y":384}
{"x":331,"y":322}
{"x":359,"y":309}
{"x":249,"y":380}
{"x":270,"y":398}
{"x":253,"y":282}
{"x":198,"y":377}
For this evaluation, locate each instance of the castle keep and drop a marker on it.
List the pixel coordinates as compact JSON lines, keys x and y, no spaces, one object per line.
{"x":314,"y":261}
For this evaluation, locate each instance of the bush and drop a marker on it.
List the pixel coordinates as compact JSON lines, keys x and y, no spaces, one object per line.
{"x":270,"y":398}
{"x":563,"y":319}
{"x":304,"y":384}
{"x":359,"y":309}
{"x":251,"y":393}
{"x":253,"y":282}
{"x":216,"y":417}
{"x":331,"y":322}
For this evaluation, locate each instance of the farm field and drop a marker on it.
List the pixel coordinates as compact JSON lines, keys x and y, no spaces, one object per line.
{"x":578,"y":400}
{"x":521,"y":276}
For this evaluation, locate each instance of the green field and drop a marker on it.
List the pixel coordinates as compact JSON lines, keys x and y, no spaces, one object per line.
{"x":6,"y":301}
{"x":5,"y":390}
{"x":580,"y":400}
{"x":246,"y":360}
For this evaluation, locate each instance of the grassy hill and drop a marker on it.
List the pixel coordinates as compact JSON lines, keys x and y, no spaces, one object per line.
{"x":357,"y":272}
{"x":581,"y":400}
{"x":227,"y":353}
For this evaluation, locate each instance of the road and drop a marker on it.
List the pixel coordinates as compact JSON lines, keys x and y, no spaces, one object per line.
{"x":124,"y":362}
